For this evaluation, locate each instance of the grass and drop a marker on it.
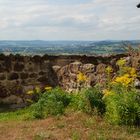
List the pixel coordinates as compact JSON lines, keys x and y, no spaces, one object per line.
{"x":73,"y":126}
{"x":21,"y":114}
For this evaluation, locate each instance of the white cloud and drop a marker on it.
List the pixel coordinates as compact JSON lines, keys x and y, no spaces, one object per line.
{"x":91,"y":20}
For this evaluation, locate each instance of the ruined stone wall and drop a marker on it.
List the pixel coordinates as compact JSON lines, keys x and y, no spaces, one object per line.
{"x":18,"y":74}
{"x":21,"y":73}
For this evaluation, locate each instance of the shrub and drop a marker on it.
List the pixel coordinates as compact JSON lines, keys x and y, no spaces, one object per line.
{"x":123,"y":108}
{"x":121,"y":97}
{"x":89,"y":100}
{"x":94,"y":95}
{"x":79,"y":102}
{"x":52,"y":102}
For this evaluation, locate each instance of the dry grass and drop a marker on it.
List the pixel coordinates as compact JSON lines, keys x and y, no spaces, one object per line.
{"x":75,"y":126}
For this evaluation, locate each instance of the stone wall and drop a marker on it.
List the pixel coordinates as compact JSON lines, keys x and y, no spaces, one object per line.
{"x":18,"y":74}
{"x":21,"y":73}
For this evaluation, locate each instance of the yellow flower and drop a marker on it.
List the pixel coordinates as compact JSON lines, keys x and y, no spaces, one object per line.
{"x":81,"y":77}
{"x":107,"y":92}
{"x":48,"y":88}
{"x":30,"y":92}
{"x":121,"y":62}
{"x":124,"y":80}
{"x":29,"y":100}
{"x":37,"y":89}
{"x":109,"y":69}
{"x":133,"y":72}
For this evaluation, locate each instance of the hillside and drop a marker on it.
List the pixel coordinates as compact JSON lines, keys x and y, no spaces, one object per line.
{"x":65,"y":47}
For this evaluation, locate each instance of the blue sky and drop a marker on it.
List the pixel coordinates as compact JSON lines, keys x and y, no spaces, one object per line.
{"x":69,"y":19}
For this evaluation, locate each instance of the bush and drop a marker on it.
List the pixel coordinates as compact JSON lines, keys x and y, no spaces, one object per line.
{"x":123,"y":108}
{"x":94,"y":95}
{"x":52,"y":102}
{"x":89,"y":101}
{"x":79,"y":102}
{"x":121,"y":97}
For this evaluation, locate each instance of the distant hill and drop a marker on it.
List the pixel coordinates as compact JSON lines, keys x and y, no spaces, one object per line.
{"x":64,"y":47}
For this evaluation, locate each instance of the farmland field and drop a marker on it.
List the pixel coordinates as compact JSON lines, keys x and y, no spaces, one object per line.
{"x":41,"y":47}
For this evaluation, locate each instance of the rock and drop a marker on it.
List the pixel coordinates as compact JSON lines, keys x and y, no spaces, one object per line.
{"x":33,"y":75}
{"x":45,"y":66}
{"x":17,"y":106}
{"x":24,"y":75}
{"x":56,"y":68}
{"x":2,"y":68}
{"x":88,"y":68}
{"x":75,"y":67}
{"x":18,"y":67}
{"x":30,"y":67}
{"x":19,"y":58}
{"x":16,"y":90}
{"x":101,"y":68}
{"x":42,"y":73}
{"x":67,"y":75}
{"x":113,"y":62}
{"x":13,"y":76}
{"x":137,"y":83}
{"x":91,"y":79}
{"x":3,"y":91}
{"x":128,"y":60}
{"x":12,"y":99}
{"x":43,"y":79}
{"x":36,"y":58}
{"x":2,"y":76}
{"x":101,"y":79}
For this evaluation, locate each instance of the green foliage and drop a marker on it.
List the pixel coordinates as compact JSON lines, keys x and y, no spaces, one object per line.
{"x":122,"y":98}
{"x":123,"y":108}
{"x":80,"y":102}
{"x":89,"y":101}
{"x":120,"y":104}
{"x":94,"y":96}
{"x":52,"y":102}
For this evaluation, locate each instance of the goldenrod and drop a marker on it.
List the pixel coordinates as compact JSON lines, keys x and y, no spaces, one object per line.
{"x":30,"y":92}
{"x":81,"y":77}
{"x":125,"y":80}
{"x":48,"y":88}
{"x":121,"y":62}
{"x":107,"y":92}
{"x":29,"y":100}
{"x":37,"y":89}
{"x":109,"y":69}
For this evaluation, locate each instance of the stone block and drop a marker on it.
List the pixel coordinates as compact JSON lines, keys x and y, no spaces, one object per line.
{"x":13,"y":76}
{"x":2,"y":68}
{"x":43,"y":79}
{"x":24,"y":75}
{"x":2,"y":76}
{"x":18,"y":67}
{"x":12,"y":99}
{"x":3,"y":91}
{"x":33,"y":75}
{"x":42,"y":73}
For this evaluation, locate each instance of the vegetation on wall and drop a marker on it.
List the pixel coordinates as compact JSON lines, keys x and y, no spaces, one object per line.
{"x":118,"y":101}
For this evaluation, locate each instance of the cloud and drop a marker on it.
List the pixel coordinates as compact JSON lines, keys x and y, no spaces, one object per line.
{"x":75,"y":19}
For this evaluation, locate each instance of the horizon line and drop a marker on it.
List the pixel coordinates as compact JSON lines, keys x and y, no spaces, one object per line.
{"x":69,"y":40}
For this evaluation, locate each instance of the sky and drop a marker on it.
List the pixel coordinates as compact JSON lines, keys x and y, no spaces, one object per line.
{"x":69,"y":20}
